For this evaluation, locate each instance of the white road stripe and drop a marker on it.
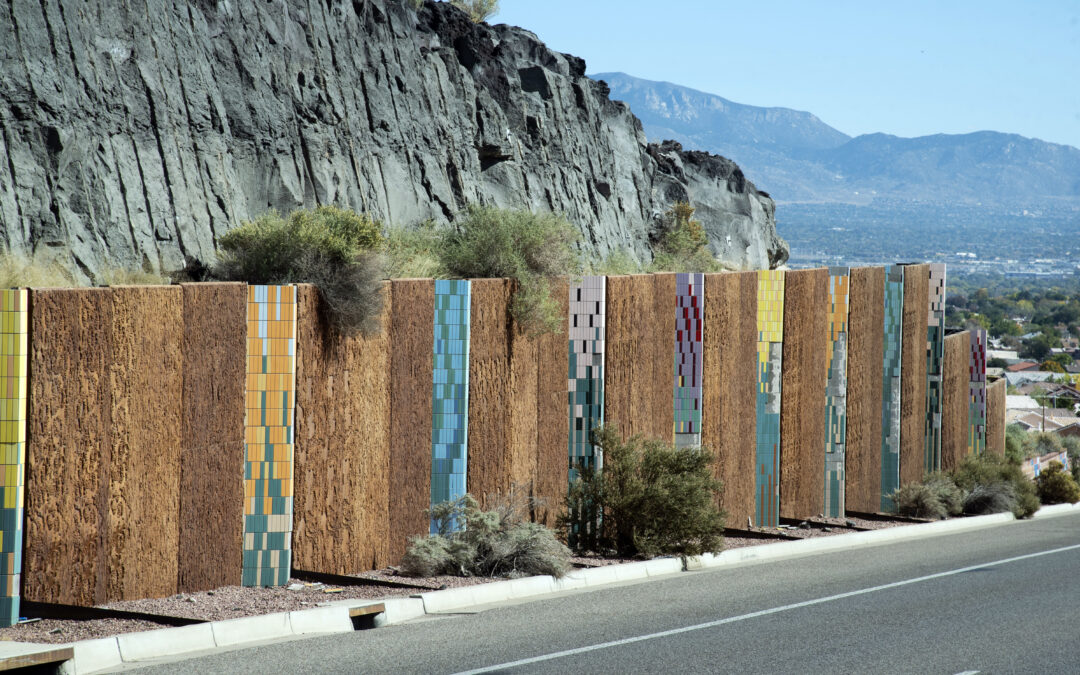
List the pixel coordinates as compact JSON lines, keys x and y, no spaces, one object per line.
{"x":754,"y":615}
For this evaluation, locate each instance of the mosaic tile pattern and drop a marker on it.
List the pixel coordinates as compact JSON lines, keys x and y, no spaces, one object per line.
{"x":270,"y":406}
{"x":836,"y":391}
{"x":770,"y":348}
{"x":14,"y":319}
{"x":977,"y":392}
{"x":935,"y":358}
{"x":450,"y":394}
{"x":585,"y":379}
{"x":890,"y":384}
{"x":690,"y":303}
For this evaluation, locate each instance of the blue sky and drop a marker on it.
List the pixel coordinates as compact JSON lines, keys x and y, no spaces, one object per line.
{"x":905,"y":68}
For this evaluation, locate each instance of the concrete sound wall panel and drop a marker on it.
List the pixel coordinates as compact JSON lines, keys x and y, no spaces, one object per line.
{"x":342,"y":451}
{"x":955,"y":410}
{"x":144,"y":460}
{"x":411,"y":358}
{"x":865,"y":346}
{"x":729,"y":386}
{"x":552,"y":423}
{"x":68,"y":460}
{"x":212,"y":465}
{"x":913,"y":374}
{"x":802,"y":432}
{"x":490,"y":389}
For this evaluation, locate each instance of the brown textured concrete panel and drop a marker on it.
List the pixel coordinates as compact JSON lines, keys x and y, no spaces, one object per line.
{"x":913,"y":373}
{"x":146,"y":378}
{"x":341,"y":519}
{"x":411,"y":346}
{"x":212,"y":463}
{"x":662,"y":384}
{"x":67,"y":482}
{"x":866,"y":319}
{"x":802,"y":413}
{"x":489,"y":441}
{"x":729,"y":385}
{"x":954,"y":399}
{"x":552,"y":415}
{"x":640,"y":357}
{"x":995,"y":417}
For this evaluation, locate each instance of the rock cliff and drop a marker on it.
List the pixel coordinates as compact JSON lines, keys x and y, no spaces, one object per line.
{"x":133,"y":134}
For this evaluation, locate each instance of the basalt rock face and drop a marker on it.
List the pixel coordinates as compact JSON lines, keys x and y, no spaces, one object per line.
{"x":133,"y":134}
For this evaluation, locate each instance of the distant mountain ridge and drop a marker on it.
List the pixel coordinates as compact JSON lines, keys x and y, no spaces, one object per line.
{"x":796,"y":157}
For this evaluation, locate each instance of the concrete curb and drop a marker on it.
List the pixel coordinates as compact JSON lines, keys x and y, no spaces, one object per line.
{"x":93,"y":656}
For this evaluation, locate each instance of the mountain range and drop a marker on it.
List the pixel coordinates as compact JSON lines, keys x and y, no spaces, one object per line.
{"x":797,"y":158}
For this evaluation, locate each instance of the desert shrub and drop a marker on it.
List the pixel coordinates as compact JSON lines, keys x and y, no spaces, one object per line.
{"x":473,"y":542}
{"x":919,"y":501}
{"x":40,"y":270}
{"x":682,"y":245}
{"x":1055,"y":486}
{"x":533,"y":249}
{"x":1039,"y":443}
{"x":333,"y":248}
{"x":650,"y":498}
{"x":478,"y":10}
{"x":993,"y":484}
{"x":414,"y":252}
{"x":1014,"y":443}
{"x":946,"y":491}
{"x":619,"y":261}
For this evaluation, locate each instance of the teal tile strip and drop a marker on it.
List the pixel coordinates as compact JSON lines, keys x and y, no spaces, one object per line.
{"x":450,"y":393}
{"x":935,"y":359}
{"x":836,"y":392}
{"x":890,"y":384}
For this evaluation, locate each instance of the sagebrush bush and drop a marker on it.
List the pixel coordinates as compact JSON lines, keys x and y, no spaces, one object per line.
{"x":619,"y":261}
{"x":682,"y":245}
{"x":1056,"y":486}
{"x":993,"y":482}
{"x":1039,"y":443}
{"x":499,"y":542}
{"x":533,"y":249}
{"x":1014,"y":443}
{"x":650,"y":498}
{"x":414,"y":252}
{"x":119,"y":276}
{"x":333,"y":248}
{"x":918,"y":501}
{"x":945,"y":489}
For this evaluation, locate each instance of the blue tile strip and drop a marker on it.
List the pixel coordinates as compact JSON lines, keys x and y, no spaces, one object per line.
{"x":450,"y":394}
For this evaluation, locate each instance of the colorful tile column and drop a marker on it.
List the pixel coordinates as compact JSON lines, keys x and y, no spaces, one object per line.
{"x":450,"y":394}
{"x":268,"y":469}
{"x":690,"y":301}
{"x":585,"y":379}
{"x":14,"y":320}
{"x":977,"y":392}
{"x":836,"y":391}
{"x":935,"y":357}
{"x":890,"y":384}
{"x":770,"y":321}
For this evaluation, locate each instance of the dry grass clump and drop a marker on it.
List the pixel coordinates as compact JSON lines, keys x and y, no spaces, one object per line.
{"x":40,"y":270}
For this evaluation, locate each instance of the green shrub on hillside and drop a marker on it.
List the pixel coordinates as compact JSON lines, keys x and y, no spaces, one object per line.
{"x":1056,"y":486}
{"x":533,"y":249}
{"x":333,"y":248}
{"x":650,"y":498}
{"x":499,"y":542}
{"x":1039,"y":443}
{"x":682,"y":245}
{"x":414,"y":252}
{"x":993,"y":484}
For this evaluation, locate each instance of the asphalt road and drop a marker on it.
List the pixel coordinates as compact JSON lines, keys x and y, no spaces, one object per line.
{"x":998,"y":600}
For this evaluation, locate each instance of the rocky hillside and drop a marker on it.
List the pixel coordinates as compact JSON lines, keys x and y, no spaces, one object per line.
{"x":134,"y":135}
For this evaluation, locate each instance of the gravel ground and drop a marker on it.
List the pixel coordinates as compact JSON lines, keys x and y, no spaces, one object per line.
{"x":230,"y":602}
